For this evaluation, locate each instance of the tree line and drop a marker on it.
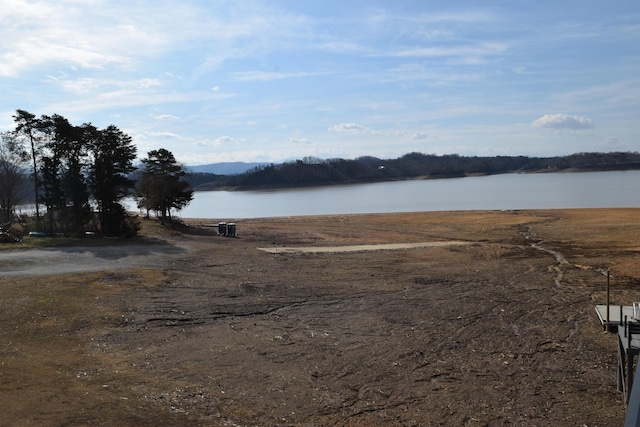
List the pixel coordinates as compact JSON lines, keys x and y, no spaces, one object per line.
{"x":80,"y":174}
{"x":311,"y":171}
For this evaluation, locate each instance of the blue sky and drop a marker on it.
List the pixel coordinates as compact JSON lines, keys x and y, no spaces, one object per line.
{"x":267,"y":81}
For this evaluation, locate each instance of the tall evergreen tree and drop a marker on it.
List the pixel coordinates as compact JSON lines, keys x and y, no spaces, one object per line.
{"x":52,"y":195}
{"x":113,"y":153}
{"x":30,"y":128}
{"x":161,"y":187}
{"x":75,"y":166}
{"x":69,"y":151}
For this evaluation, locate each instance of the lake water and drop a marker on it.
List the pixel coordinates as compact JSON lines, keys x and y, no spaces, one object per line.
{"x":496,"y":192}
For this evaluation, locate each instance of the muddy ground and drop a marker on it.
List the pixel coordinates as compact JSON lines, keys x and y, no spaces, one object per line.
{"x":211,"y":331}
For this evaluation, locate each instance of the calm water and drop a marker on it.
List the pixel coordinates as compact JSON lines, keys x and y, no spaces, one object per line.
{"x":508,"y":191}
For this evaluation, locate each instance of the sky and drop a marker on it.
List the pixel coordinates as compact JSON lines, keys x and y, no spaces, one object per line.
{"x":278,"y":80}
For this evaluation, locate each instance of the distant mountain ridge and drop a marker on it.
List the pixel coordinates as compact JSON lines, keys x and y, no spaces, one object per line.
{"x":224,"y":168}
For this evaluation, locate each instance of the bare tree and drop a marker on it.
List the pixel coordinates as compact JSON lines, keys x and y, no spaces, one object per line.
{"x":13,"y":180}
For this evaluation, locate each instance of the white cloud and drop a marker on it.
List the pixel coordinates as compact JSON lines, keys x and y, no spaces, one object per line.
{"x":77,"y":86}
{"x":31,"y":52}
{"x":563,"y":121}
{"x":225,"y":140}
{"x":107,"y":35}
{"x":33,"y":34}
{"x":299,"y":141}
{"x":169,"y":135}
{"x":127,"y":98}
{"x":220,"y":141}
{"x":353,"y":128}
{"x":420,"y":135}
{"x":166,"y":117}
{"x":144,"y":83}
{"x":87,"y":85}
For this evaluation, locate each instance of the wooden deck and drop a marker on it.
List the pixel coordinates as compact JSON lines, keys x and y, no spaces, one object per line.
{"x":628,"y":350}
{"x":627,"y":330}
{"x":617,"y":314}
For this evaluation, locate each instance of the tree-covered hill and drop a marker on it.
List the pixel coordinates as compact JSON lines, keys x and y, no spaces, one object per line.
{"x":312,"y":171}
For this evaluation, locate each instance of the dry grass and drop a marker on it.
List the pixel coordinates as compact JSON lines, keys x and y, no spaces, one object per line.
{"x":235,"y":336}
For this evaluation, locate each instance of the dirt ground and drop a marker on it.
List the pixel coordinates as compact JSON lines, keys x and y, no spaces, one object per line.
{"x":473,"y":319}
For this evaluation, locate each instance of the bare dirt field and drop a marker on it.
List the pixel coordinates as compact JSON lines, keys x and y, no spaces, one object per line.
{"x":418,"y":319}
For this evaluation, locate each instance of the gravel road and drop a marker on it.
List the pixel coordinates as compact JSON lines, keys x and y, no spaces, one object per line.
{"x":86,"y":259}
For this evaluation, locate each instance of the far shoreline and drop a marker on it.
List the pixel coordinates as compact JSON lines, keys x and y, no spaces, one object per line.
{"x":214,"y":187}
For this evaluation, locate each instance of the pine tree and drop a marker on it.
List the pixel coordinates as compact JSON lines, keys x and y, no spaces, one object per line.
{"x":113,"y":153}
{"x":161,"y":187}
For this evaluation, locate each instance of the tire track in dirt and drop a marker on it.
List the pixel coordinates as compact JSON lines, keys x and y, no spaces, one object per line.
{"x":536,"y":244}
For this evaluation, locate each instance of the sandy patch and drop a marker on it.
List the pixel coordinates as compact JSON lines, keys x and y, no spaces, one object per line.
{"x":361,"y":248}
